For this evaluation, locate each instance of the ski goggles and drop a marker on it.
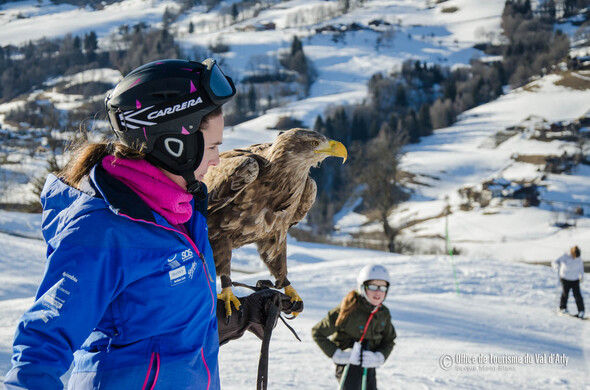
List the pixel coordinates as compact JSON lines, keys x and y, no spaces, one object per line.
{"x":374,"y":287}
{"x":218,"y":86}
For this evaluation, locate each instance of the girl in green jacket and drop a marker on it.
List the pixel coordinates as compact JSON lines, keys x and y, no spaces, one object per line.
{"x":361,"y":329}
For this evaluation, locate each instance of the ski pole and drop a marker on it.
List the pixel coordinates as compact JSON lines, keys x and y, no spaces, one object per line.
{"x":364,"y":382}
{"x":347,"y":367}
{"x":344,"y":374}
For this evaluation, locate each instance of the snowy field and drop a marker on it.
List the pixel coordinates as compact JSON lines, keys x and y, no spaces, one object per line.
{"x":490,"y":335}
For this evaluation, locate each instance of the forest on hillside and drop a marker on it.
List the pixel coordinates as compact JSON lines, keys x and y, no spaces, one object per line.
{"x":405,"y":105}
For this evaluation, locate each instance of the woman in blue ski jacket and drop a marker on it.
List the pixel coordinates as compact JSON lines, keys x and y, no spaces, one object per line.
{"x":129,"y":292}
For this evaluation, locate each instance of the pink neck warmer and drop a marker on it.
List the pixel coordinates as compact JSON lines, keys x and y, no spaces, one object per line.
{"x":155,"y":188}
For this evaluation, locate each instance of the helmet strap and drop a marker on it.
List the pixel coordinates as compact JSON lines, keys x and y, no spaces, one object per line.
{"x":193,"y":186}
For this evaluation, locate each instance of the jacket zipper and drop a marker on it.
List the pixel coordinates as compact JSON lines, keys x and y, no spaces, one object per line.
{"x":213,"y":297}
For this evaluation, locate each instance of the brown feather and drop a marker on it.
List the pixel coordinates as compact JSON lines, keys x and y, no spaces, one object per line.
{"x":257,"y":193}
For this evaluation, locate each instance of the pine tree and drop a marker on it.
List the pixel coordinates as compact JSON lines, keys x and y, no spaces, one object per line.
{"x":319,"y":125}
{"x":90,"y":42}
{"x":90,"y":45}
{"x":296,"y":46}
{"x":235,"y":13}
{"x":424,"y":122}
{"x":252,"y":100}
{"x":400,"y":96}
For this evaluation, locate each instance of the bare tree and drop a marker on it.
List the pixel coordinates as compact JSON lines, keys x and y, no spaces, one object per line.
{"x":377,"y":171}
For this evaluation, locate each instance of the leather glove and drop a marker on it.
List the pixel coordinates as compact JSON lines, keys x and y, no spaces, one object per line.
{"x":373,"y":359}
{"x":255,"y":310}
{"x":341,"y":357}
{"x":355,"y":354}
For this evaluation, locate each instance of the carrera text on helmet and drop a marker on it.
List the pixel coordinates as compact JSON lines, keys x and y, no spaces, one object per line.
{"x":175,"y":108}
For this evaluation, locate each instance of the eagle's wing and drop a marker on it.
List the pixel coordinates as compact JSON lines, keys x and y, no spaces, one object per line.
{"x":236,"y":170}
{"x":307,"y":200}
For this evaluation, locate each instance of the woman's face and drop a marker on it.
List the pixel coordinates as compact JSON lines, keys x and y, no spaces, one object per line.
{"x":212,"y":131}
{"x":213,"y":137}
{"x":375,"y":298}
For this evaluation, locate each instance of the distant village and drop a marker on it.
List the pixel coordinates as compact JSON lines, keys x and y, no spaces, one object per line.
{"x":526,"y":191}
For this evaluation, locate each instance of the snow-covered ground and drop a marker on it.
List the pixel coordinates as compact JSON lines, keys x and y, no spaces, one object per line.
{"x":490,"y":335}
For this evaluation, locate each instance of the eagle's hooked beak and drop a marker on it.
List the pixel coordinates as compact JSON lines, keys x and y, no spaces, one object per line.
{"x":335,"y":149}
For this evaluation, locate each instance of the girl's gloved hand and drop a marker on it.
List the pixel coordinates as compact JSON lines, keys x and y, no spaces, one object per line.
{"x":355,"y":355}
{"x":373,"y":359}
{"x":341,"y":357}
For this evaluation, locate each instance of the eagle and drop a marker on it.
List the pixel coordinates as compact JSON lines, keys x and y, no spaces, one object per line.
{"x":256,"y":194}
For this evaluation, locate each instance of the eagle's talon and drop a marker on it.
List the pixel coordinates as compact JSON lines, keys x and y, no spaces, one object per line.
{"x":290,"y":291}
{"x":228,"y":297}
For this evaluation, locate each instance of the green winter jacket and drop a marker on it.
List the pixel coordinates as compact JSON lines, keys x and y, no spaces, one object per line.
{"x":380,"y":335}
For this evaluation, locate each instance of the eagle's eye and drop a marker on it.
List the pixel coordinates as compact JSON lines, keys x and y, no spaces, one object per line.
{"x":315,"y":143}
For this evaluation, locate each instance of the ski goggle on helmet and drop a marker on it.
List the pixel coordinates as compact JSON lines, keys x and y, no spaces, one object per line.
{"x":158,"y":108}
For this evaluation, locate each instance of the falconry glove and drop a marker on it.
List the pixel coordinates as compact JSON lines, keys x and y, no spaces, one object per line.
{"x":259,"y":314}
{"x":257,"y":310}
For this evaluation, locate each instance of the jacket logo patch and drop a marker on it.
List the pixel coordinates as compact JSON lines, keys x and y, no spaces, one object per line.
{"x":180,"y":270}
{"x":177,"y":276}
{"x":187,"y":254}
{"x":191,"y":271}
{"x":173,"y":263}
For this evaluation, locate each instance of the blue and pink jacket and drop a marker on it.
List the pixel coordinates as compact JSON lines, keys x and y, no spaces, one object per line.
{"x":127,"y":296}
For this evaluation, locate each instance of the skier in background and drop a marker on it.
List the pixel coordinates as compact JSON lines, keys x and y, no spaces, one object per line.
{"x":360,"y":315}
{"x":129,"y":289}
{"x":570,"y":268}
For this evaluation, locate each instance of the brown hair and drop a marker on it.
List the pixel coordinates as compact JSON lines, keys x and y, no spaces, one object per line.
{"x":347,"y":306}
{"x":575,"y":252}
{"x":87,"y":155}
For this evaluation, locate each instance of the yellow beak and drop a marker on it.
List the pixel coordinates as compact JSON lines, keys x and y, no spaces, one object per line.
{"x":335,"y":149}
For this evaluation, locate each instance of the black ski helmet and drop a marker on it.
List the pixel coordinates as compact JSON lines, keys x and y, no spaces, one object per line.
{"x":157,"y":109}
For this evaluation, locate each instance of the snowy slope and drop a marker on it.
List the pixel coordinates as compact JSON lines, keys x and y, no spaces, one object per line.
{"x":464,"y":155}
{"x":415,"y":31}
{"x":504,"y":312}
{"x":447,"y":161}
